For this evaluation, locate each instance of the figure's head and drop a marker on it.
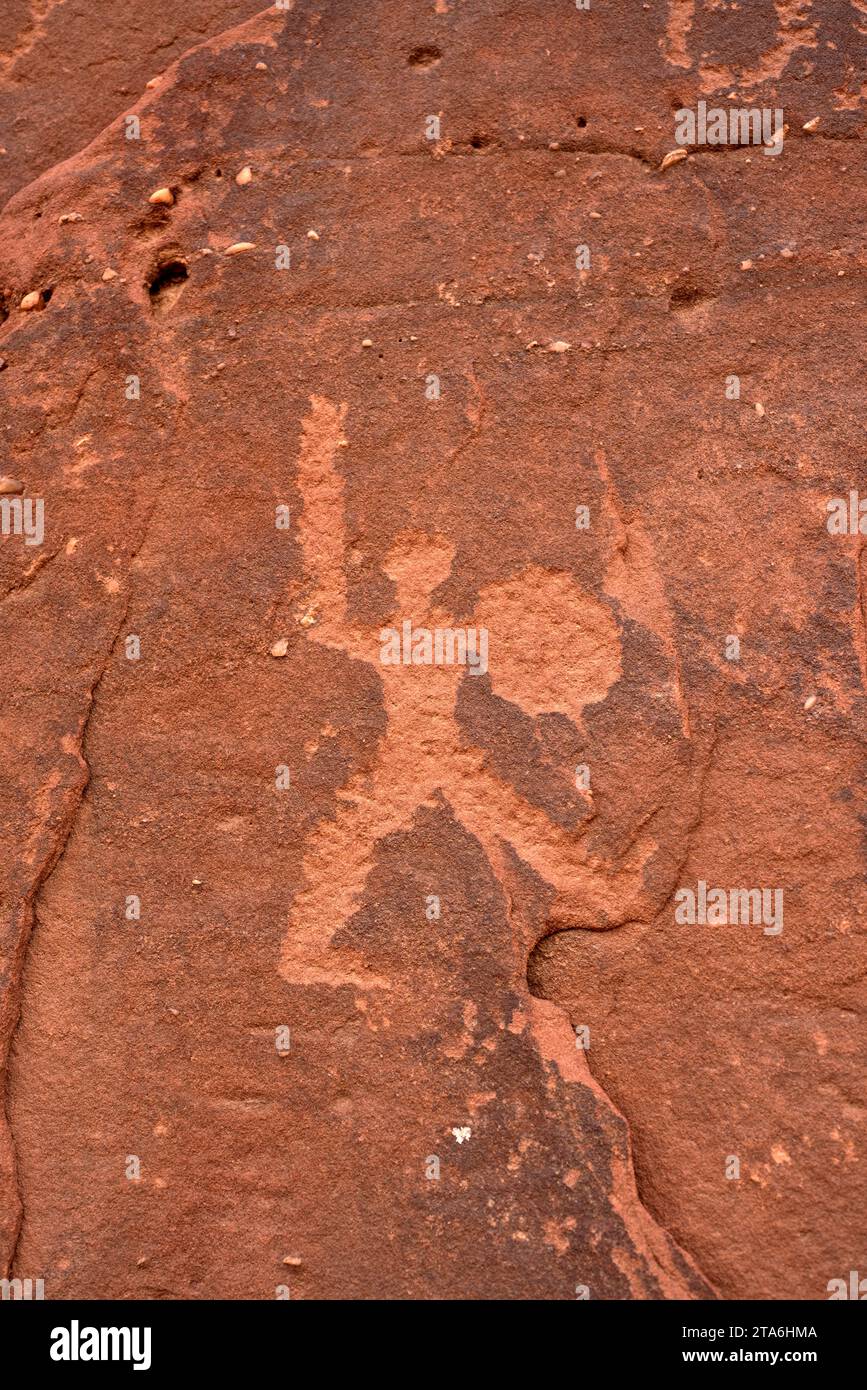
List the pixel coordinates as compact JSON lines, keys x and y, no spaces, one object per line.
{"x":417,"y":564}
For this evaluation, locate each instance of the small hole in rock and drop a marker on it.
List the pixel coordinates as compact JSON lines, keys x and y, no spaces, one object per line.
{"x":687,"y":294}
{"x":426,"y":56}
{"x":166,"y":283}
{"x":581,"y":122}
{"x":480,"y":142}
{"x":47,"y":293}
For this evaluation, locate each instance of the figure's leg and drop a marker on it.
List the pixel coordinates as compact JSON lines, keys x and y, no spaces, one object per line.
{"x":336,"y":864}
{"x":589,"y":891}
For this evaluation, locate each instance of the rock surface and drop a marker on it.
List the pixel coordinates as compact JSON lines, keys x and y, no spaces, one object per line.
{"x":294,"y":942}
{"x":67,"y":70}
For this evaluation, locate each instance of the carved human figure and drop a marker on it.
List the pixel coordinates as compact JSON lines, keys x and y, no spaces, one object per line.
{"x":423,"y":758}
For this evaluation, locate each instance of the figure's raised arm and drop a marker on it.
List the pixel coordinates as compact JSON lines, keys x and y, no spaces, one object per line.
{"x":322,"y":524}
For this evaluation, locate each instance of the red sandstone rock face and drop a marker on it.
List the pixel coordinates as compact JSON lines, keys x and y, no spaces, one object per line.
{"x":294,"y":940}
{"x":67,"y":70}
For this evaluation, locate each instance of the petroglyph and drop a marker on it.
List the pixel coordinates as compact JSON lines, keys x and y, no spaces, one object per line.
{"x":422,"y":757}
{"x":794,"y":31}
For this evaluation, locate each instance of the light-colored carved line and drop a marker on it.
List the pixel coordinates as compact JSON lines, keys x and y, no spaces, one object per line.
{"x":33,"y":31}
{"x":677,"y":26}
{"x":321,"y":524}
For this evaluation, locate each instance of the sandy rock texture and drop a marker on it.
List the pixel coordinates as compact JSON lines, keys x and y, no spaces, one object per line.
{"x":69,"y":67}
{"x":382,"y":316}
